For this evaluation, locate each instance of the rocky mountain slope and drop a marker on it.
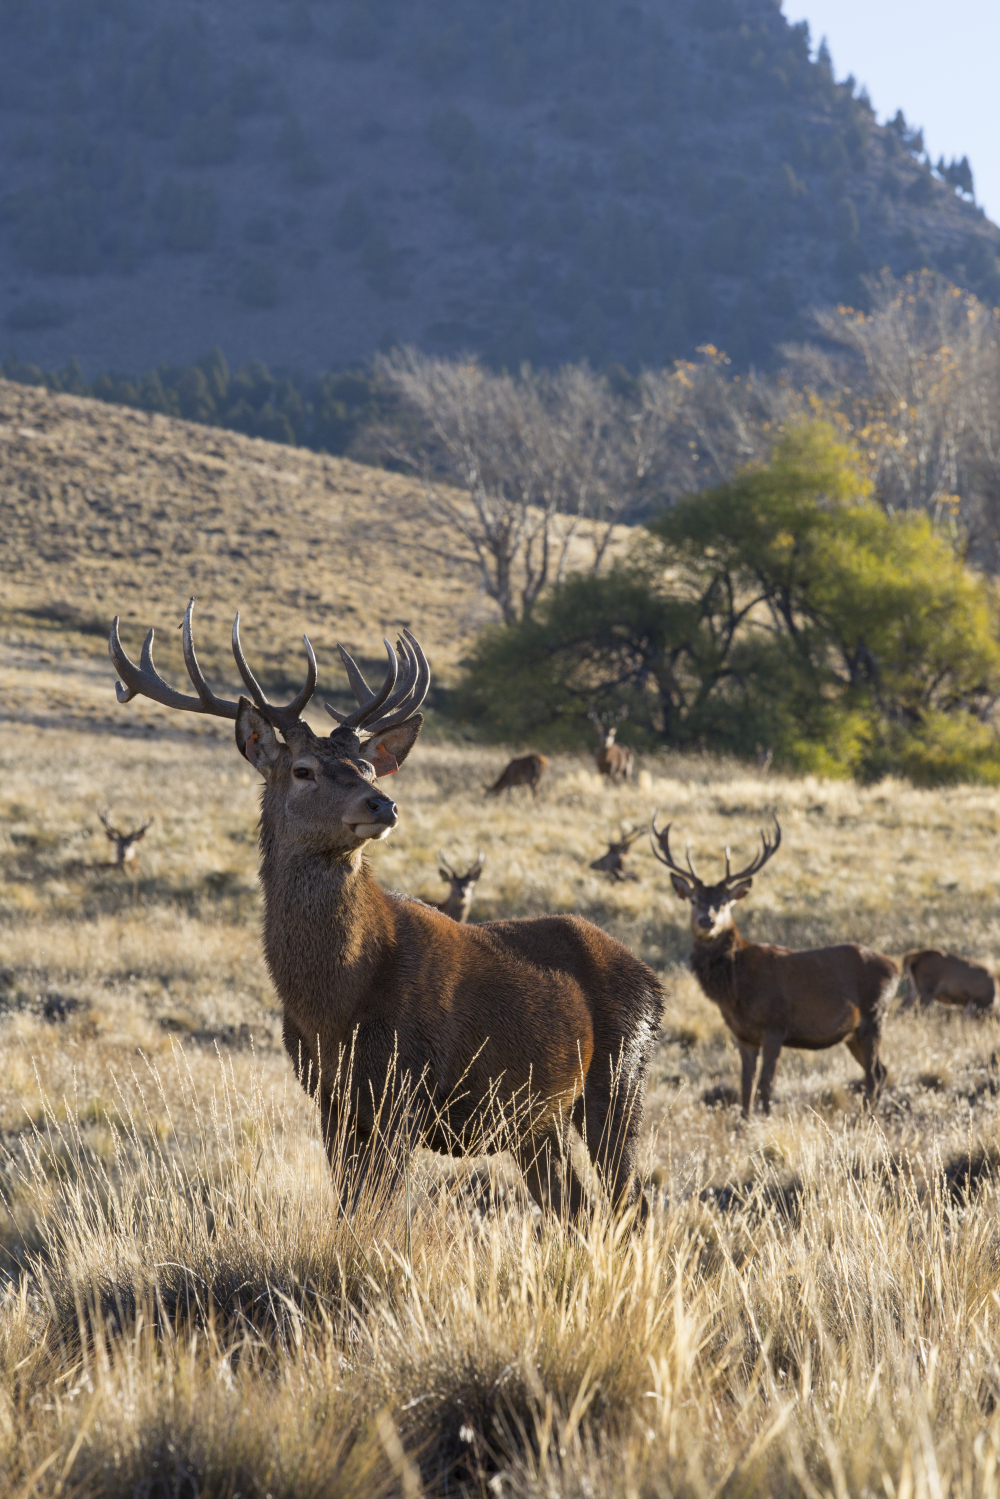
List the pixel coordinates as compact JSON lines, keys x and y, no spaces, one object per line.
{"x":299,"y":182}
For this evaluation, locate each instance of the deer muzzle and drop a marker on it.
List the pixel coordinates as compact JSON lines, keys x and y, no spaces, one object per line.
{"x":381,"y":817}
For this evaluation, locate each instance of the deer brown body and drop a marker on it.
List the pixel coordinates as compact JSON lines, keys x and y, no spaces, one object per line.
{"x":614,"y":761}
{"x":458,"y":902}
{"x":935,"y":975}
{"x":473,"y":1019}
{"x":771,"y":997}
{"x":526,"y":770}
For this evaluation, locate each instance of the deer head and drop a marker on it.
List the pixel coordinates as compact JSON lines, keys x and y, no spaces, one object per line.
{"x":125,"y":843}
{"x":607,"y":725}
{"x":461,"y":884}
{"x":711,"y":905}
{"x":319,"y":791}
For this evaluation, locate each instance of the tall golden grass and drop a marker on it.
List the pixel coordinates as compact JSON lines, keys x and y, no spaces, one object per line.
{"x":813,"y":1307}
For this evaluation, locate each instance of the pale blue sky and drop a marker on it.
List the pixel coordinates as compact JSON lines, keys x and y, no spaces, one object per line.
{"x":936,"y":60}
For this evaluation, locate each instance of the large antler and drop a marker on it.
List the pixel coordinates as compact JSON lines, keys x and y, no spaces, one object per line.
{"x":666,"y":857}
{"x":145,"y":681}
{"x":387,"y":708}
{"x":768,"y":850}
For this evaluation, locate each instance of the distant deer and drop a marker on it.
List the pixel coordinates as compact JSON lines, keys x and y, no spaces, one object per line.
{"x":935,"y":975}
{"x":459,"y":900}
{"x":613,"y":862}
{"x":527,"y":770}
{"x":126,"y":852}
{"x":614,"y":761}
{"x":471,"y":1018}
{"x":771,"y":997}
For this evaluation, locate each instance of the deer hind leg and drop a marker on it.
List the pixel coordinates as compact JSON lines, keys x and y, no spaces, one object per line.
{"x":748,"y":1066}
{"x":864,"y":1047}
{"x":771,"y":1051}
{"x":612,"y":1122}
{"x":548,"y":1173}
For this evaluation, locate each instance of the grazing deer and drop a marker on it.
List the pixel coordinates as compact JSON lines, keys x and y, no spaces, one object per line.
{"x":471,"y":1018}
{"x":614,"y":761}
{"x":126,"y":852}
{"x":933,"y":974}
{"x":771,"y":997}
{"x":527,"y":770}
{"x":613,"y":862}
{"x":459,"y":901}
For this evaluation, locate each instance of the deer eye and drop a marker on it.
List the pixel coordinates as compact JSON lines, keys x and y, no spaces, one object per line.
{"x":302,"y":773}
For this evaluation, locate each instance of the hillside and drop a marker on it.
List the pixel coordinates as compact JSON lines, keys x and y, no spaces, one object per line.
{"x":106,"y":511}
{"x":302,"y":182}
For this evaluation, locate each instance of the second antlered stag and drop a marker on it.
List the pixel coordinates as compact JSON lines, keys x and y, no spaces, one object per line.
{"x":548,"y":1020}
{"x":772,"y":997}
{"x":614,"y":761}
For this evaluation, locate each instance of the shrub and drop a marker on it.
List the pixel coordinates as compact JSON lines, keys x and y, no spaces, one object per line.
{"x":210,"y":139}
{"x":186,"y":213}
{"x":257,"y":285}
{"x":36,"y":313}
{"x":354,"y":222}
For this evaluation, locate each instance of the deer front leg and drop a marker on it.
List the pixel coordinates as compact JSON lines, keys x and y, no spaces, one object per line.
{"x":769,"y":1061}
{"x":748,"y":1066}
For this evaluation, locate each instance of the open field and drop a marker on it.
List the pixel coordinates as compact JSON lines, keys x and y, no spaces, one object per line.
{"x":184,"y":1312}
{"x":813,"y":1309}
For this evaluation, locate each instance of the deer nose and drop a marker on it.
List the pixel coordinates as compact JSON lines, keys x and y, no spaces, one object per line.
{"x":705,"y":919}
{"x":382,"y":810}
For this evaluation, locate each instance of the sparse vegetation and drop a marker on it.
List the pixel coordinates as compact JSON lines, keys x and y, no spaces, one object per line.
{"x":621,"y":224}
{"x":186,"y":1309}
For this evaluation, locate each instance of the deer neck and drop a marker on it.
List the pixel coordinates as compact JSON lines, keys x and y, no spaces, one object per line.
{"x":713,"y":960}
{"x":326,"y":927}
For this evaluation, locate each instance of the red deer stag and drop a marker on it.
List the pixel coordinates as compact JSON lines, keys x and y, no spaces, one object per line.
{"x":933,"y":974}
{"x":614,"y":761}
{"x":527,"y":770}
{"x":470,"y":1017}
{"x":458,"y":903}
{"x":126,"y":852}
{"x":613,"y":862}
{"x":771,"y":997}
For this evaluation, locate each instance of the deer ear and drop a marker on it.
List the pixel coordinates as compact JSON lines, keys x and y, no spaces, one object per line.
{"x":386,"y":752}
{"x":738,"y":891}
{"x":681,"y":887}
{"x":256,"y":739}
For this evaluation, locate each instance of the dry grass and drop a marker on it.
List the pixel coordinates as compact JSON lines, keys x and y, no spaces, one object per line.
{"x":109,"y":511}
{"x":814,"y":1307}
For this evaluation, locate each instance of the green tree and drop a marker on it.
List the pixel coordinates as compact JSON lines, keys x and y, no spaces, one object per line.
{"x":783,"y":608}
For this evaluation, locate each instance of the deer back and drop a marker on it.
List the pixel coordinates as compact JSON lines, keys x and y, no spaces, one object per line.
{"x":950,"y":979}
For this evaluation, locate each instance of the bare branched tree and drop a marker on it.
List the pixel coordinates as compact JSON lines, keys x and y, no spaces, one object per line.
{"x":697,"y":423}
{"x":535,"y":454}
{"x":921,"y":395}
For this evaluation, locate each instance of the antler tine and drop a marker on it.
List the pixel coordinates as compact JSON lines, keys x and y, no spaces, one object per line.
{"x":687,"y":854}
{"x":406,"y":699}
{"x":768,"y":850}
{"x":727,"y":861}
{"x":280,"y":717}
{"x":145,"y":681}
{"x":212,"y":704}
{"x":105,"y":820}
{"x":662,"y":852}
{"x":445,"y":865}
{"x":370,"y":701}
